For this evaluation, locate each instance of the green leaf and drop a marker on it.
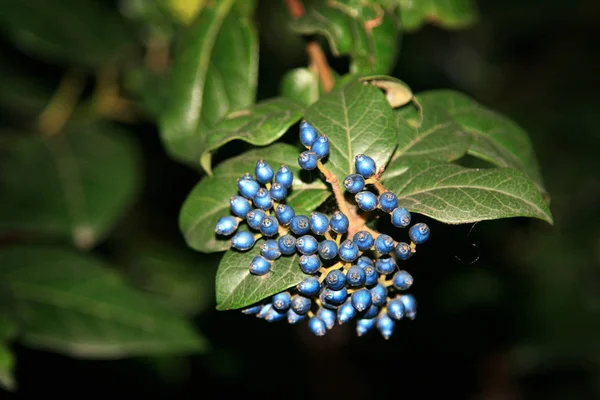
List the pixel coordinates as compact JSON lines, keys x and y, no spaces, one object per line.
{"x":357,"y":119}
{"x":87,"y":178}
{"x":209,"y":200}
{"x":370,"y":36}
{"x":454,"y":195}
{"x":301,"y":85}
{"x":81,"y":32}
{"x":214,"y":73}
{"x":449,"y":14}
{"x":496,"y":138}
{"x":74,"y":304}
{"x":259,"y":125}
{"x":8,"y":330}
{"x":236,"y":287}
{"x":437,"y":137}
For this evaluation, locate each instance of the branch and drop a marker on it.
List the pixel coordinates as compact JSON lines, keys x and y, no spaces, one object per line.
{"x":58,"y":111}
{"x":335,"y":186}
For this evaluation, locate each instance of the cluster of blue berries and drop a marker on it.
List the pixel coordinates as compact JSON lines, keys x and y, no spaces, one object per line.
{"x":354,"y":271}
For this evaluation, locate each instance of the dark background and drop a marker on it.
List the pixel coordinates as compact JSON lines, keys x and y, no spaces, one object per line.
{"x":508,"y":309}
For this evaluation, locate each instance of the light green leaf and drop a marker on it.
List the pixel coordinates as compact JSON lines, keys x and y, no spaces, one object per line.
{"x":237,"y":288}
{"x":8,"y":329}
{"x":301,"y":85}
{"x":397,"y":92}
{"x":496,"y":138}
{"x":259,"y":125}
{"x":80,"y":32}
{"x":214,"y":72}
{"x":370,"y":36}
{"x":74,"y":304}
{"x":450,"y":14}
{"x":209,"y":200}
{"x":74,"y":185}
{"x":357,"y":119}
{"x":453,"y":194}
{"x":437,"y":137}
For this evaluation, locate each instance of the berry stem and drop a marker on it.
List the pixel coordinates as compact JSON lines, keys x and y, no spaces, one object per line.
{"x":325,"y":271}
{"x":335,"y":186}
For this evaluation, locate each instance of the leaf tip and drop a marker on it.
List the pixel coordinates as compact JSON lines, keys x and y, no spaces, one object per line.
{"x":205,"y":163}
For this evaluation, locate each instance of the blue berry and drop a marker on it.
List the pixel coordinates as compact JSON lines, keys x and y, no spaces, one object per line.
{"x":260,"y":265}
{"x":410,"y":305}
{"x":294,"y":318}
{"x":287,"y":244}
{"x":361,"y":299}
{"x":270,"y":250}
{"x":328,"y":249}
{"x":269,"y":226}
{"x":284,"y":176}
{"x":365,"y":165}
{"x":348,"y":251}
{"x":252,"y":310}
{"x":371,"y":312}
{"x":403,"y":251}
{"x":320,"y":146}
{"x":309,"y":287}
{"x":310,"y":264}
{"x":328,"y":316}
{"x":300,"y":304}
{"x":263,"y":199}
{"x":364,"y":325}
{"x":226,"y":225}
{"x":284,"y":213}
{"x":384,"y":244}
{"x":354,"y":183}
{"x":307,"y":245}
{"x":263,"y":171}
{"x":400,"y":217}
{"x":335,"y":297}
{"x":317,"y":326}
{"x":308,"y":134}
{"x":364,"y":261}
{"x":248,"y":186}
{"x":364,"y":240}
{"x":339,"y":222}
{"x":242,"y":240}
{"x":356,"y":276}
{"x":318,"y":223}
{"x":254,"y":218}
{"x":366,"y":201}
{"x":385,"y":265}
{"x":282,"y":301}
{"x":275,"y":315}
{"x":240,"y":206}
{"x":402,"y":280}
{"x":385,"y":325}
{"x":346,"y":312}
{"x":388,"y":201}
{"x":300,"y":225}
{"x":395,"y":309}
{"x":379,"y":295}
{"x":335,"y":280}
{"x":371,"y":275}
{"x":308,"y":160}
{"x":264,"y":310}
{"x":278,"y":192}
{"x":419,"y":233}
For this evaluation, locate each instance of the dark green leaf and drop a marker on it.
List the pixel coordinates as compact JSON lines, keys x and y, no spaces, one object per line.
{"x":77,"y":185}
{"x":259,"y":125}
{"x":236,"y":287}
{"x":496,"y":139}
{"x":356,"y":119}
{"x":454,"y":194}
{"x":450,"y":14}
{"x":8,"y":329}
{"x":209,"y":200}
{"x":214,"y":73}
{"x":370,"y":36}
{"x":301,"y":85}
{"x":151,"y":90}
{"x":78,"y":32}
{"x":74,"y":304}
